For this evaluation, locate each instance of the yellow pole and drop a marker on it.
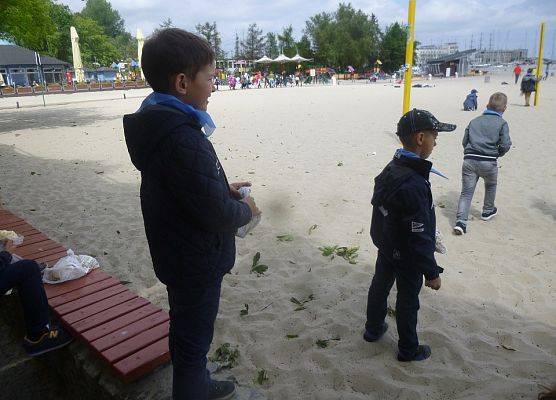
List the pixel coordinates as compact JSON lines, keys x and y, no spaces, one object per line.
{"x":409,"y":57}
{"x":539,"y":66}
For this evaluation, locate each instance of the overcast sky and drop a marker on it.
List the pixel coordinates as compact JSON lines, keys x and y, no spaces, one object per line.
{"x":510,"y":23}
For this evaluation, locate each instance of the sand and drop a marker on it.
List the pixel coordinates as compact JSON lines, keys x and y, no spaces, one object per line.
{"x":311,"y":154}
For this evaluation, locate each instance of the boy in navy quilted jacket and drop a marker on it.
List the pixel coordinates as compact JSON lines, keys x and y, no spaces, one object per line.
{"x":190,"y":211}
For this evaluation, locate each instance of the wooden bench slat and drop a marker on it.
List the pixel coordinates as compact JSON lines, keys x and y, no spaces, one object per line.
{"x":136,"y":343}
{"x":89,"y":299}
{"x":94,"y":276}
{"x":108,"y":315}
{"x":10,"y":220}
{"x":129,"y":331}
{"x":25,"y":229}
{"x":99,"y":307}
{"x":81,"y":292}
{"x":34,"y":237}
{"x":28,"y":250}
{"x":145,"y":360}
{"x":106,"y":329}
{"x":43,"y":253}
{"x":51,"y":258}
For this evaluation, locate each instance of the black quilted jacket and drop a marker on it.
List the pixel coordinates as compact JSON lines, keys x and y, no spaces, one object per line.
{"x":190,"y":216}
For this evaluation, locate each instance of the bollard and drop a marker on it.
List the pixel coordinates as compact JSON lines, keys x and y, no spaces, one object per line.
{"x":124,"y":96}
{"x":17,"y":104}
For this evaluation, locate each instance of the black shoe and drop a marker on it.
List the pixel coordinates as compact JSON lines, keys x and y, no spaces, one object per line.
{"x":370,"y":337}
{"x":423,"y":352}
{"x":221,"y":390}
{"x":460,"y":229}
{"x":488,"y":215}
{"x":53,"y":339}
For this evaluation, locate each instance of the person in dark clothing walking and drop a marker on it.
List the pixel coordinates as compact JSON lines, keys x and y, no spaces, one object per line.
{"x":528,"y":85}
{"x":25,"y":276}
{"x":403,"y":228}
{"x":191,"y":212}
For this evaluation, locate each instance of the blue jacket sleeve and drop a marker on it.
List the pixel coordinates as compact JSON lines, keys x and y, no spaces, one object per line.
{"x":417,"y":223}
{"x":193,"y":176}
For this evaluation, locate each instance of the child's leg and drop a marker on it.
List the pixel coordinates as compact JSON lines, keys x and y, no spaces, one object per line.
{"x":489,"y":172}
{"x":25,"y":275}
{"x":469,"y":178}
{"x":378,"y":295}
{"x":408,"y":283}
{"x":192,"y":314}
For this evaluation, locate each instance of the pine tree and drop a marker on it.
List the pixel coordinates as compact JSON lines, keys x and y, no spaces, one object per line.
{"x":253,"y":45}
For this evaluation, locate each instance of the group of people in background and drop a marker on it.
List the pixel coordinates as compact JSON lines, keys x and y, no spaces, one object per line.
{"x":263,"y":80}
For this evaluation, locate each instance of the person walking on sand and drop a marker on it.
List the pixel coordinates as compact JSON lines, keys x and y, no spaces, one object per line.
{"x":528,"y":85}
{"x":517,"y":72}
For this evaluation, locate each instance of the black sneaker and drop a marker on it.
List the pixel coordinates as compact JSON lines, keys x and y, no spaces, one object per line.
{"x":423,"y":352}
{"x":460,"y":229}
{"x":488,"y":215}
{"x":53,"y":339}
{"x":373,"y":337}
{"x":221,"y":390}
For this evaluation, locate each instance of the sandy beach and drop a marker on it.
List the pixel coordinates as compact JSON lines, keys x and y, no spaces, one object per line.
{"x":311,"y":154}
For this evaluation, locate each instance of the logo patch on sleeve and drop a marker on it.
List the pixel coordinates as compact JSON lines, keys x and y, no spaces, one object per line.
{"x":417,"y":227}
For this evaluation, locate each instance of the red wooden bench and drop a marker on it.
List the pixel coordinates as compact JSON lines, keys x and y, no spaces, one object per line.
{"x":123,"y":329}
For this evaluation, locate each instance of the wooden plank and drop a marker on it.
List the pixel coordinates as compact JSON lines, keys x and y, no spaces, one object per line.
{"x":81,"y":292}
{"x":42,"y":253}
{"x":144,"y":361}
{"x":25,"y":229}
{"x":131,"y":330}
{"x":94,"y":276}
{"x":50,"y":259}
{"x":136,"y":343}
{"x":99,"y":307}
{"x":92,"y":298}
{"x":34,"y":237}
{"x":108,"y":315}
{"x":121,"y":322}
{"x":9,"y":222}
{"x":27,"y":250}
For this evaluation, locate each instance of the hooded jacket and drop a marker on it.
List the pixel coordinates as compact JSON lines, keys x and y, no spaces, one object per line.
{"x":189,"y":214}
{"x":403,"y":225}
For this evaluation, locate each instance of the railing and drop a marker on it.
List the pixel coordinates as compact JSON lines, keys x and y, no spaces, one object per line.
{"x":53,"y":88}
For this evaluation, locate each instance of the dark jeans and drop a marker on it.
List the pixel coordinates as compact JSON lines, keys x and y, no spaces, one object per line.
{"x":192,"y":314}
{"x":516,"y":77}
{"x":26,"y":277}
{"x":408,"y":283}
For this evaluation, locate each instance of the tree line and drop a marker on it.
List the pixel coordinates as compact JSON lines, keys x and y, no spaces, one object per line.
{"x":336,"y":39}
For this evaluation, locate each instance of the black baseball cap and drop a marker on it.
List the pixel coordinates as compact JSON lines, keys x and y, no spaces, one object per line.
{"x":421,"y":120}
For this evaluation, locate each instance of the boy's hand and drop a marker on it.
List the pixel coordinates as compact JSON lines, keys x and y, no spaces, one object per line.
{"x":8,"y":246}
{"x":433,"y":284}
{"x":251,"y":203}
{"x":234,"y":189}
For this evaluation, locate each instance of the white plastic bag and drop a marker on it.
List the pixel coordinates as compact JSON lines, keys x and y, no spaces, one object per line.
{"x":245,"y":229}
{"x":70,"y":267}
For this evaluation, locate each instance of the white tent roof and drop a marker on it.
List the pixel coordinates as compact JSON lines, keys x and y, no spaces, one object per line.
{"x":264,"y":60}
{"x":282,"y":58}
{"x":298,"y":58}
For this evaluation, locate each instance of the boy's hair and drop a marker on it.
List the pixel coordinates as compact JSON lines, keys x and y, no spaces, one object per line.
{"x":172,"y":51}
{"x":497,"y":102}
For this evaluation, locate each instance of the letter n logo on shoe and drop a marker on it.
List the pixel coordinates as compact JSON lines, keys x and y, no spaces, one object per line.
{"x":417,"y":227}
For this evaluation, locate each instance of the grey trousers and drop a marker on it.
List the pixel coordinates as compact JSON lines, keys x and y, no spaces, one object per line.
{"x":471,"y":171}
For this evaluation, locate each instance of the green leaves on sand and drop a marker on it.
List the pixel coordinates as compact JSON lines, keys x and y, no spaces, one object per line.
{"x":244,"y":311}
{"x":226,"y":356}
{"x":322,"y":343}
{"x":301,"y":303}
{"x":285,"y":238}
{"x":291,"y":336}
{"x":347,"y":253}
{"x":262,"y":377}
{"x":259,"y":269}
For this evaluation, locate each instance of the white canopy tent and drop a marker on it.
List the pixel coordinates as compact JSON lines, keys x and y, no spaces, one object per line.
{"x":282,"y":59}
{"x":263,"y":60}
{"x":297,"y":58}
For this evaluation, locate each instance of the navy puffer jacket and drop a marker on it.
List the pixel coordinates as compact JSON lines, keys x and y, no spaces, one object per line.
{"x":189,"y":214}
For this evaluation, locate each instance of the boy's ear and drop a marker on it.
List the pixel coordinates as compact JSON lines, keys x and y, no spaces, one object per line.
{"x":180,"y":83}
{"x":419,"y":137}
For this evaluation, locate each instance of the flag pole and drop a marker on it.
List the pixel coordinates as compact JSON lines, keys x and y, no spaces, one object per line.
{"x":539,"y":66}
{"x":409,"y":57}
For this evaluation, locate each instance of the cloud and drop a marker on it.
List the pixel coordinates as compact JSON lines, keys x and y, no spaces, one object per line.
{"x":510,"y":23}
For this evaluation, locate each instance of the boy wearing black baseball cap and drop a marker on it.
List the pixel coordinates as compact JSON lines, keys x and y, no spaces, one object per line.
{"x":403,"y":228}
